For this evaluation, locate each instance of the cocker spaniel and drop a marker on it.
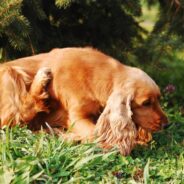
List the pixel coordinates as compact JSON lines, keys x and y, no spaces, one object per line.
{"x":87,"y":92}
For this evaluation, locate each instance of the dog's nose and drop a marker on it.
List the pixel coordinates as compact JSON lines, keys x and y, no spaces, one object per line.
{"x":166,"y":125}
{"x":165,"y":122}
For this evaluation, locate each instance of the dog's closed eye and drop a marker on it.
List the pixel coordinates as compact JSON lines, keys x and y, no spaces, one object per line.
{"x":159,"y":98}
{"x":147,"y":103}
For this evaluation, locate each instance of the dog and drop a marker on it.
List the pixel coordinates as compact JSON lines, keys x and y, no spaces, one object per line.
{"x":91,"y":94}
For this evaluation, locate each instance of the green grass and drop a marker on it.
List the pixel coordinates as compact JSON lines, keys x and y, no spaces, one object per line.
{"x":41,"y":158}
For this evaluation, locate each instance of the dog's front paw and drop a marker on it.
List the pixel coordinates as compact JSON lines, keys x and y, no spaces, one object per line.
{"x":143,"y":136}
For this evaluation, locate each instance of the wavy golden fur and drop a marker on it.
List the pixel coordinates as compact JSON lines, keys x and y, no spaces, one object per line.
{"x":19,"y":104}
{"x":92,"y":94}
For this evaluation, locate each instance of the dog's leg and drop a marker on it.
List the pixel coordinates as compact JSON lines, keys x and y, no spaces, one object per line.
{"x":66,"y":136}
{"x":35,"y":100}
{"x":80,"y":126}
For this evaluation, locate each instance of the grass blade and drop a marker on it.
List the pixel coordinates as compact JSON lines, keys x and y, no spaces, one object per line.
{"x":146,"y":172}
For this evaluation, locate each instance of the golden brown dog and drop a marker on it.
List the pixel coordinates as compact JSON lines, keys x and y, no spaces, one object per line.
{"x":91,"y":94}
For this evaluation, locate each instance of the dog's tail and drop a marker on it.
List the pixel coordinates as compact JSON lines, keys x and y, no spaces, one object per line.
{"x":13,"y":84}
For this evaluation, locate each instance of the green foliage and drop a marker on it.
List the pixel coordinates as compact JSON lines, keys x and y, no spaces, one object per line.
{"x":34,"y":26}
{"x":12,"y":22}
{"x":167,"y":34}
{"x":168,"y":70}
{"x":63,"y":3}
{"x":42,"y":25}
{"x":171,"y":17}
{"x":42,"y":158}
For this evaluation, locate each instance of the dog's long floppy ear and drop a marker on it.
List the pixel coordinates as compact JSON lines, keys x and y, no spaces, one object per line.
{"x":13,"y":81}
{"x":115,"y":126}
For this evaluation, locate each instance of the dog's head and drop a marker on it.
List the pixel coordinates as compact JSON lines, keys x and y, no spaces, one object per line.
{"x":145,"y":105}
{"x":131,"y":112}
